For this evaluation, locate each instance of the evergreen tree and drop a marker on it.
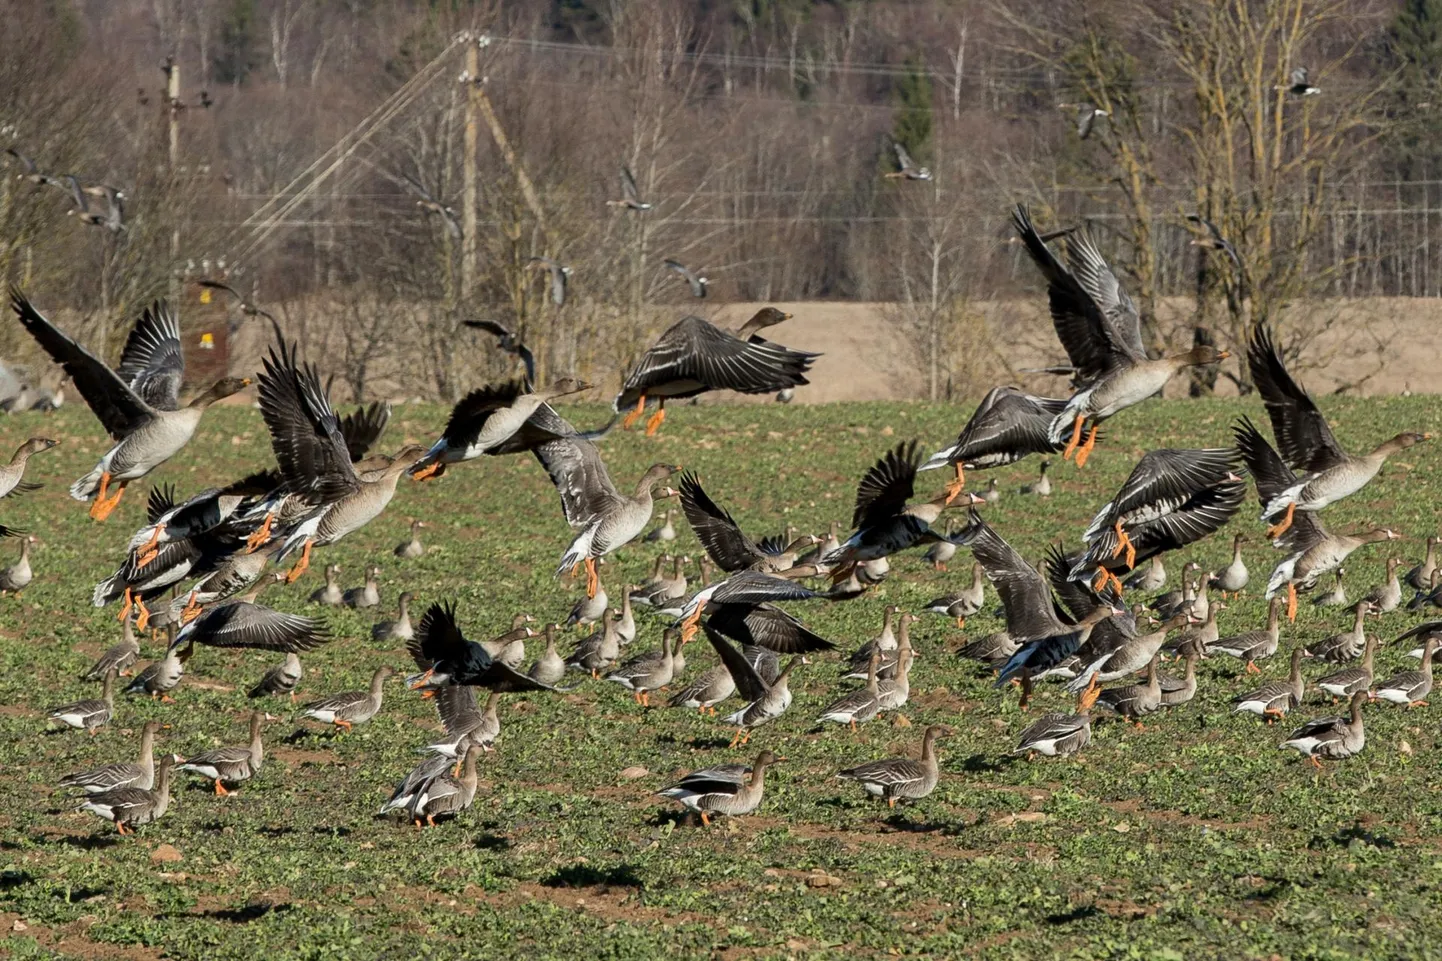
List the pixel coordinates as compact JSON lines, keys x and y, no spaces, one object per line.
{"x":236,"y":55}
{"x":912,"y":127}
{"x":1414,"y":44}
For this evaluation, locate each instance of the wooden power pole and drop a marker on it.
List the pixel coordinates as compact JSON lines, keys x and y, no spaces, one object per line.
{"x":173,"y":108}
{"x":469,"y":246}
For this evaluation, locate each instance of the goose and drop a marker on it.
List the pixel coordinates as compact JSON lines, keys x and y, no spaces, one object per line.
{"x":1198,"y":638}
{"x":510,"y":648}
{"x":1337,"y":596}
{"x":939,"y":554}
{"x":726,"y":544}
{"x":557,"y":273}
{"x":315,"y":461}
{"x":1420,"y":577}
{"x":965,"y":602}
{"x":695,"y":281}
{"x":1346,"y":646}
{"x":230,"y":764}
{"x":1153,"y":577}
{"x":741,"y":607}
{"x":907,"y":168}
{"x":1175,"y":692}
{"x":1254,"y":645}
{"x":896,"y":778}
{"x":1234,"y":577}
{"x":631,"y":196}
{"x":888,"y":661}
{"x":131,"y":807}
{"x":893,"y":692}
{"x":1410,"y":687}
{"x":413,"y":548}
{"x":1275,"y":699}
{"x":160,"y":677}
{"x":664,"y":589}
{"x":859,"y":706}
{"x":1100,"y":329}
{"x":766,"y":700}
{"x":495,"y":419}
{"x":694,"y":356}
{"x":138,"y":404}
{"x":215,"y":510}
{"x":1348,"y":681}
{"x":993,"y":649}
{"x":1312,"y":551}
{"x":1387,"y":596}
{"x":18,"y":576}
{"x":119,"y":657}
{"x":331,"y":595}
{"x":90,"y":714}
{"x":399,"y":629}
{"x":1133,"y":654}
{"x":447,"y":794}
{"x":1297,"y":84}
{"x":550,"y":667}
{"x":646,"y":673}
{"x":591,"y":607}
{"x":1135,"y":701}
{"x":446,"y":656}
{"x":666,"y":531}
{"x":367,"y":595}
{"x":465,"y":723}
{"x":730,"y":789}
{"x":626,"y":626}
{"x":245,"y":623}
{"x":1335,"y":738}
{"x":1306,"y":444}
{"x":12,"y":475}
{"x":349,"y":708}
{"x":598,"y":651}
{"x":1178,"y":601}
{"x":140,"y":774}
{"x":281,"y":680}
{"x":885,"y":642}
{"x":1431,"y":597}
{"x":1056,"y":734}
{"x":1042,"y":486}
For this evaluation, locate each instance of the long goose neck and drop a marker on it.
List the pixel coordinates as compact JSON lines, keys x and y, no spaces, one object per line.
{"x":903,"y":633}
{"x":928,"y":749}
{"x":493,"y":703}
{"x":1295,"y":676}
{"x":1367,"y":653}
{"x":887,"y":621}
{"x":378,"y":681}
{"x":107,"y":688}
{"x":147,"y":747}
{"x":1357,"y":620}
{"x":1427,"y":651}
{"x":976,"y":576}
{"x":405,"y":613}
{"x":1273,"y":618}
{"x":468,"y":774}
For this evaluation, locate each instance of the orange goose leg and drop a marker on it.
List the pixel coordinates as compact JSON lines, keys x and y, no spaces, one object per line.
{"x":148,"y":552}
{"x":301,"y":565}
{"x":592,"y":581}
{"x":104,"y":507}
{"x":100,"y":496}
{"x":635,"y":415}
{"x":955,"y":487}
{"x":654,"y":424}
{"x":1085,"y":450}
{"x":143,"y":618}
{"x":1291,"y":603}
{"x":260,"y":535}
{"x":1286,"y":522}
{"x":1075,"y":437}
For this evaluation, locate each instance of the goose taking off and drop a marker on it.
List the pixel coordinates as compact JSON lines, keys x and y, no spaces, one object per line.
{"x":1006,"y":426}
{"x":138,"y":404}
{"x":694,"y":356}
{"x":488,"y":418}
{"x":509,"y":342}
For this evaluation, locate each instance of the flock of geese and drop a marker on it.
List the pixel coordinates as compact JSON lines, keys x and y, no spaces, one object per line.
{"x":196,"y":567}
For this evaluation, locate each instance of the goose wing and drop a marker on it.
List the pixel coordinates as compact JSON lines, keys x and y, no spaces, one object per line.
{"x":152,"y":363}
{"x":1030,"y":611}
{"x":305,"y":433}
{"x":1303,"y":436}
{"x":695,"y":350}
{"x":715,"y":528}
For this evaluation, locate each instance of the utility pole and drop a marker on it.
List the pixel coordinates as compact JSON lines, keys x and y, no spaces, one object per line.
{"x":173,"y":108}
{"x":469,"y":245}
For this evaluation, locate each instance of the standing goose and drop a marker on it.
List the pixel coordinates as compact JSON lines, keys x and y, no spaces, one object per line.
{"x":368,"y":594}
{"x":120,"y":657}
{"x":901,"y":777}
{"x":399,"y":629}
{"x":12,"y":475}
{"x":413,"y":548}
{"x":1432,"y":596}
{"x":230,"y":764}
{"x":350,"y":708}
{"x":1171,"y":498}
{"x":281,"y":680}
{"x":1234,"y":577}
{"x":130,"y":807}
{"x":893,"y":692}
{"x":1306,"y":444}
{"x":766,"y":700}
{"x":550,"y":667}
{"x":938,"y":555}
{"x":859,"y":706}
{"x":1198,"y":638}
{"x":16,"y":577}
{"x":885,"y":523}
{"x":731,"y":789}
{"x":626,"y":626}
{"x":1006,"y":426}
{"x":140,"y":774}
{"x":885,"y":642}
{"x":1135,"y":701}
{"x":1346,"y":646}
{"x":1331,"y":737}
{"x":91,"y":714}
{"x":646,"y":673}
{"x":1275,"y":699}
{"x":1056,"y":734}
{"x":1420,"y":577}
{"x":887,"y":660}
{"x":487,"y":418}
{"x":1337,"y":596}
{"x":315,"y":461}
{"x":1387,"y":596}
{"x":598,"y":651}
{"x":663,"y":589}
{"x":1348,"y":681}
{"x":1410,"y":687}
{"x":1178,"y":692}
{"x":510,"y":648}
{"x":1254,"y":645}
{"x":1153,"y":577}
{"x":1312,"y":552}
{"x":1042,"y":486}
{"x":138,"y":404}
{"x":994,"y":649}
{"x":591,"y":607}
{"x":1032,"y":617}
{"x":710,"y":688}
{"x":1100,"y":329}
{"x":963,"y":603}
{"x":1179,"y":599}
{"x":603,"y":518}
{"x":694,"y":356}
{"x":160,"y":677}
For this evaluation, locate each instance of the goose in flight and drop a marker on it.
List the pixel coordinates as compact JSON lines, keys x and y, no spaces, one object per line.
{"x":697,"y":283}
{"x":560,"y":277}
{"x":631,"y":196}
{"x":909,"y":170}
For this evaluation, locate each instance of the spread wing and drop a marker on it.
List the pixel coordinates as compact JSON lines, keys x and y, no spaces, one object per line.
{"x":1024,"y":593}
{"x":715,"y":529}
{"x":628,"y":185}
{"x":119,"y":409}
{"x":152,"y":362}
{"x":304,"y":431}
{"x":697,"y":351}
{"x":1303,"y":437}
{"x":243,"y":624}
{"x":902,"y":157}
{"x":887,"y":486}
{"x":1091,"y":343}
{"x":362,"y":427}
{"x":580,"y":476}
{"x":1007,"y":425}
{"x":1120,"y":321}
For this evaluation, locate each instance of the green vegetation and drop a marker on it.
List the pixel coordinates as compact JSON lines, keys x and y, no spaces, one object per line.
{"x":1193,"y":838}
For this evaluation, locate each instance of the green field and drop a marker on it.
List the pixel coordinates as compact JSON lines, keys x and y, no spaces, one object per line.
{"x":1194,"y":838}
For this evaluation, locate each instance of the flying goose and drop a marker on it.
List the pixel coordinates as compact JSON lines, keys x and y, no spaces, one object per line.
{"x":697,"y":283}
{"x":488,"y":420}
{"x":631,"y":196}
{"x":907,"y":167}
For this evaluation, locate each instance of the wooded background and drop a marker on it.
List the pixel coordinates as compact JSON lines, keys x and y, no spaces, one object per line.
{"x":759,"y":129}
